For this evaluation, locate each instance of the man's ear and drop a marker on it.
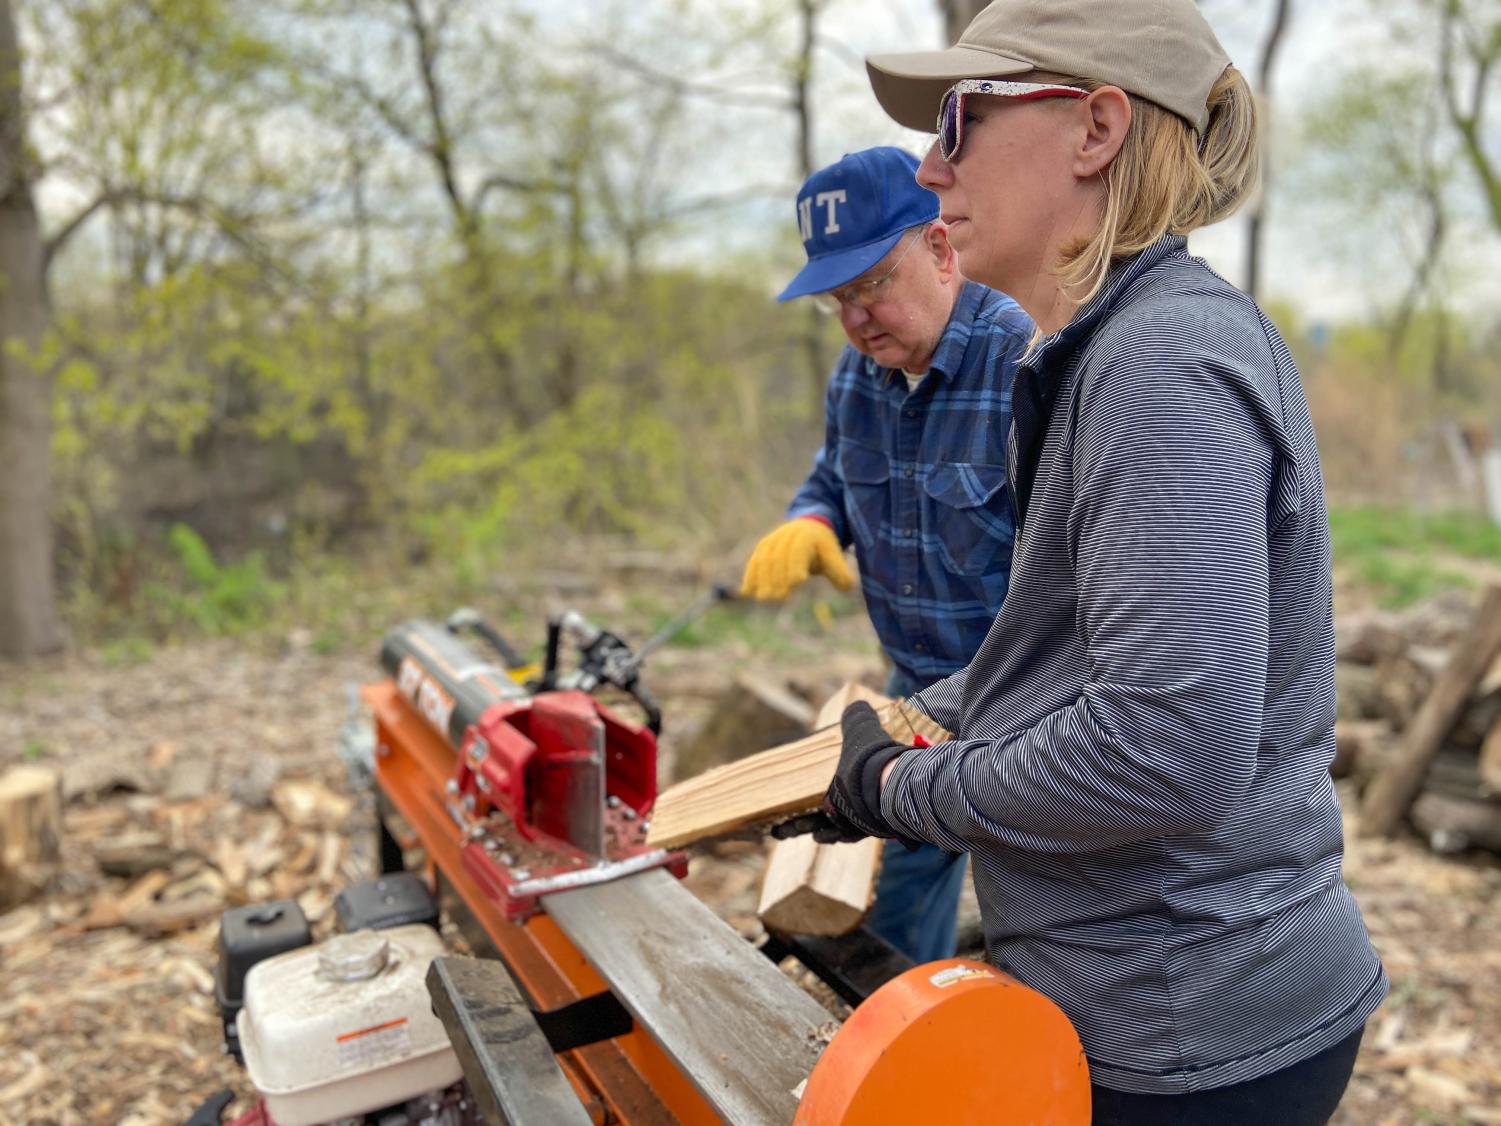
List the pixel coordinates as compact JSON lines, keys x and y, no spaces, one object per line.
{"x":1106,"y":115}
{"x":944,"y":256}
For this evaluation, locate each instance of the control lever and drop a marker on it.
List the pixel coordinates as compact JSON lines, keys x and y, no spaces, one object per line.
{"x":467,"y":617}
{"x":605,"y":658}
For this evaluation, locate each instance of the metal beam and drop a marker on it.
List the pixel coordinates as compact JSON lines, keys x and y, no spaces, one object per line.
{"x":854,"y":965}
{"x":735,"y":1025}
{"x":507,"y":1061}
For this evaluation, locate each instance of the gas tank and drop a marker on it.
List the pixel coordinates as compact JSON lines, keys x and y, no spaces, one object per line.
{"x":346,"y":1026}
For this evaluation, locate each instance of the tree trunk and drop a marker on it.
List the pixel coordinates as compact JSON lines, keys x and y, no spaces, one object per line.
{"x":802,"y":108}
{"x":1254,"y":229}
{"x":28,"y":613}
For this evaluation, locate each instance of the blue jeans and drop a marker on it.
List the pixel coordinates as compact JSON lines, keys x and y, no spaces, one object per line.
{"x":916,"y":906}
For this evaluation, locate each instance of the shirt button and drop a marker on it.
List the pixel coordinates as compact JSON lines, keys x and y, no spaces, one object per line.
{"x":920,"y":647}
{"x":908,"y":472}
{"x":906,"y":588}
{"x":910,"y":413}
{"x":909,"y":533}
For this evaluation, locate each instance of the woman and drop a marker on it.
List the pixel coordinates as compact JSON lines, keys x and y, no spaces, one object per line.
{"x":1140,"y":766}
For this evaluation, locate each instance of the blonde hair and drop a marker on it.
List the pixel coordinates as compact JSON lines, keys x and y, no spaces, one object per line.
{"x":1167,"y":179}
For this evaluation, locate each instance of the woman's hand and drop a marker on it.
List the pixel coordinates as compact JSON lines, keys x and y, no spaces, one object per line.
{"x":853,"y":803}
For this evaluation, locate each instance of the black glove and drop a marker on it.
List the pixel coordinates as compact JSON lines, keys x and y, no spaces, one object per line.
{"x":852,"y":807}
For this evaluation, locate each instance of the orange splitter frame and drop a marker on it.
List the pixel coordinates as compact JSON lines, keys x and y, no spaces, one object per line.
{"x":499,"y":787}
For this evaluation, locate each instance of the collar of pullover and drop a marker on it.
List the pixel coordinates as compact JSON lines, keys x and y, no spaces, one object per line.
{"x":1067,"y":340}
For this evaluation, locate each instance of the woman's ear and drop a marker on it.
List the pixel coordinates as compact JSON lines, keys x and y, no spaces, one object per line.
{"x":1107,"y":116}
{"x":937,"y":238}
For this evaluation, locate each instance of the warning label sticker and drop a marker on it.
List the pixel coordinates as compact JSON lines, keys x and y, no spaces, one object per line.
{"x":378,"y":1042}
{"x":945,"y":978}
{"x":432,"y":701}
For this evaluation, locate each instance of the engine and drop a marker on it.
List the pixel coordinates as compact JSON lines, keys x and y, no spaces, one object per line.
{"x":341,"y":1031}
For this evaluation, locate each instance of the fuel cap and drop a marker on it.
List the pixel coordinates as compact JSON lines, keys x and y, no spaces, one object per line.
{"x":353,"y":957}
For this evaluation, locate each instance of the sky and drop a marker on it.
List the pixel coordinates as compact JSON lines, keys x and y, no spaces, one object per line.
{"x":1325,"y":40}
{"x":724,"y":146}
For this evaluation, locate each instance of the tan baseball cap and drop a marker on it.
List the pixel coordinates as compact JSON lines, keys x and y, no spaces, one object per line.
{"x":1160,"y":50}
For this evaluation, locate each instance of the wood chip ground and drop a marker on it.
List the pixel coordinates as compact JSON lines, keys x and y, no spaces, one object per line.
{"x":107,"y":1009}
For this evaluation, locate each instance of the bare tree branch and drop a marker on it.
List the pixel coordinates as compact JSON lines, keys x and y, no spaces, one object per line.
{"x":1482,"y":53}
{"x":428,"y":44}
{"x":233,"y":226}
{"x":498,"y":181}
{"x":693,"y":89}
{"x":60,"y":237}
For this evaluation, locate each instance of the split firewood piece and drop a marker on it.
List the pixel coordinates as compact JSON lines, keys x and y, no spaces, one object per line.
{"x":305,"y":802}
{"x":822,"y":889}
{"x":31,"y":831}
{"x":329,"y":855}
{"x":143,"y":892}
{"x":1392,"y":793}
{"x":230,"y":860}
{"x":177,"y":915}
{"x":763,"y":789}
{"x":833,"y":707}
{"x":819,"y":889}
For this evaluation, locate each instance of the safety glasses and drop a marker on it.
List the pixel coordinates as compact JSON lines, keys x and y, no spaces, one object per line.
{"x":951,"y":109}
{"x":863,"y":294}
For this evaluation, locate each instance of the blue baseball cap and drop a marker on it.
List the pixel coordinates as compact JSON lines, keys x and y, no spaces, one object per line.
{"x":853,"y":212}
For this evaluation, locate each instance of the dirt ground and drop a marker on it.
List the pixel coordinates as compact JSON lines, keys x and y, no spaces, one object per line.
{"x":209,"y":775}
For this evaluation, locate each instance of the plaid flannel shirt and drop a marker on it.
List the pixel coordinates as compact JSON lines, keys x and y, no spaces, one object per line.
{"x":916,"y":481}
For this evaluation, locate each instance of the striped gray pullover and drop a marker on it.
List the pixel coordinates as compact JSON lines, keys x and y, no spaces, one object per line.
{"x":1141,"y":761}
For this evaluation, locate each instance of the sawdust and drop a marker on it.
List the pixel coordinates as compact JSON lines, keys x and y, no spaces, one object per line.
{"x":107,"y":1008}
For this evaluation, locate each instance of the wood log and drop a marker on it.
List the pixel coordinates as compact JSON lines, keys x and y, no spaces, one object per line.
{"x":1354,"y":744}
{"x":31,"y":831}
{"x":759,"y":791}
{"x":130,"y":855}
{"x":1359,"y":688}
{"x":749,"y":716}
{"x":1453,"y":824}
{"x":1477,"y":719}
{"x":1368,"y":639}
{"x":1389,"y":797}
{"x":1402,"y":684}
{"x":1453,"y":772}
{"x":822,"y":889}
{"x":1490,"y":760}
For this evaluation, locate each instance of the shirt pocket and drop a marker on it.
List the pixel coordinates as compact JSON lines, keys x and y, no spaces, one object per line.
{"x":969,"y":512}
{"x":867,"y":491}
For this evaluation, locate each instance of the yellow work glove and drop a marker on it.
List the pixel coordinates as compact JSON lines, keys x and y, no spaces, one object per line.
{"x":787,"y":556}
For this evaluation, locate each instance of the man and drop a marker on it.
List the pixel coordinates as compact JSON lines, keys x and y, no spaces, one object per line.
{"x":912,"y":470}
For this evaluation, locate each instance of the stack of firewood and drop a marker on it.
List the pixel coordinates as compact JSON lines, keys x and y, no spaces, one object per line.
{"x":1420,"y":721}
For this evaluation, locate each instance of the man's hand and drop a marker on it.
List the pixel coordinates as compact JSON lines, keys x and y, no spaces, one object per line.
{"x":786,"y":557}
{"x":852,"y":807}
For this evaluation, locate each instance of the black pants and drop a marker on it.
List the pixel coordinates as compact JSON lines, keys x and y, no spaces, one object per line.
{"x":1304,"y":1094}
